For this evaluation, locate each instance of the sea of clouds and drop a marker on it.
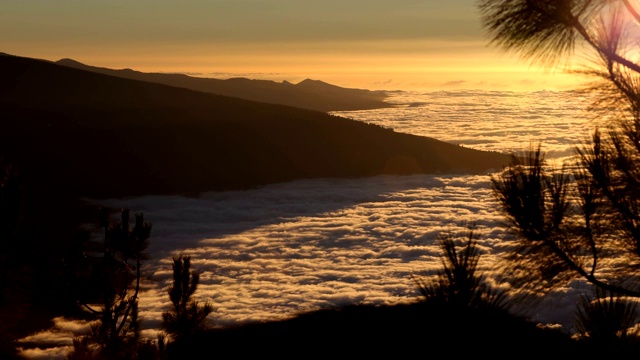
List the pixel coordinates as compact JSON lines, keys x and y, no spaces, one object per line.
{"x":272,"y":252}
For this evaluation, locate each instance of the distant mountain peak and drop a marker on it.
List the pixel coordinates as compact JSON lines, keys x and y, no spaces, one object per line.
{"x":310,"y":83}
{"x":315,"y":83}
{"x":319,"y":85}
{"x":68,"y":61}
{"x":78,"y":65}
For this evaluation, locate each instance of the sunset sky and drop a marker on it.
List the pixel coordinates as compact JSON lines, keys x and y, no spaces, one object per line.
{"x":374,"y":44}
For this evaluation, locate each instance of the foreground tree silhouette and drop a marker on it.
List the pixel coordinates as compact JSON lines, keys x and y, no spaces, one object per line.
{"x":459,"y":284}
{"x":116,"y":335}
{"x":572,"y":221}
{"x":187,"y":317}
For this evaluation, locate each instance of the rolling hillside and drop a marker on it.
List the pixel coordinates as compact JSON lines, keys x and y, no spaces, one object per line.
{"x":93,"y":135}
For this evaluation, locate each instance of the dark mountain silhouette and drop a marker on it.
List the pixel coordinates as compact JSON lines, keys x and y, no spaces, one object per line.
{"x":308,"y":94}
{"x":93,"y":135}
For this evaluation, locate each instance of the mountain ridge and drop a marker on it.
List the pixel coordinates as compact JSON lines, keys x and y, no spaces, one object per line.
{"x":94,"y":135}
{"x":308,"y":94}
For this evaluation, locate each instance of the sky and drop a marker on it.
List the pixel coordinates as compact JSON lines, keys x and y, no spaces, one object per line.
{"x":372,"y":44}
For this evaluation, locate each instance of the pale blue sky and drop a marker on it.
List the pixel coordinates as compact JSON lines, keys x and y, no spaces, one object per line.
{"x":359,"y":43}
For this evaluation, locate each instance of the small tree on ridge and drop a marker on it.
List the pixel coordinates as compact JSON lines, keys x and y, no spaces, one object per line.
{"x":187,"y":316}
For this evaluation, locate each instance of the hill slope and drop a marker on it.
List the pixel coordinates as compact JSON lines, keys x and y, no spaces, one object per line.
{"x":308,"y":94}
{"x":397,"y":332}
{"x":94,"y":135}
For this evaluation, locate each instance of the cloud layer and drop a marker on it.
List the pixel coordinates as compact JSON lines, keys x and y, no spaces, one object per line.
{"x":276,"y":251}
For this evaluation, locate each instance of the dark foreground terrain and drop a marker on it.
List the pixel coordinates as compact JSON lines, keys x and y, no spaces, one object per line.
{"x":393,"y":332}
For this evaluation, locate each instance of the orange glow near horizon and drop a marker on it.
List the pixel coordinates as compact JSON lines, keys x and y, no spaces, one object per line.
{"x":381,"y":65}
{"x":385,"y":45}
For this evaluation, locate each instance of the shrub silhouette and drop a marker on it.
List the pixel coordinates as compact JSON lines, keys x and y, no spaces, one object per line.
{"x":604,"y":322}
{"x":187,"y":317}
{"x":458,"y":284}
{"x":116,"y":333}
